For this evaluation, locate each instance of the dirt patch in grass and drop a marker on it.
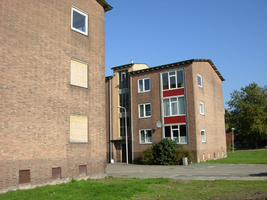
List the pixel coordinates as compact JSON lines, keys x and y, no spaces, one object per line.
{"x":255,"y":196}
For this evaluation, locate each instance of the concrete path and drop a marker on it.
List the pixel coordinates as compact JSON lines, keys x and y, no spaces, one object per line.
{"x":190,"y":172}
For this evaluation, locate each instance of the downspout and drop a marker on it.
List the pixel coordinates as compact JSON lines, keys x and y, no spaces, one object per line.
{"x":132,"y":121}
{"x":110,"y":127}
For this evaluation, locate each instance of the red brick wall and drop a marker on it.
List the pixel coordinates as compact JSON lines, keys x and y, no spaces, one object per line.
{"x":37,"y":99}
{"x":152,"y":97}
{"x":213,"y":119}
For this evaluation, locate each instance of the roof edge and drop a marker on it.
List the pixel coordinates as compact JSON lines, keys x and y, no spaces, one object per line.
{"x":180,"y":63}
{"x":105,"y":5}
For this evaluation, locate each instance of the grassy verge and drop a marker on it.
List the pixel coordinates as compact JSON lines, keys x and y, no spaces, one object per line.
{"x":115,"y":188}
{"x":243,"y":157}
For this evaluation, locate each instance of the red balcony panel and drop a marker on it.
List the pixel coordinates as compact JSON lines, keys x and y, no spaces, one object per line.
{"x":174,"y":119}
{"x":175,"y":92}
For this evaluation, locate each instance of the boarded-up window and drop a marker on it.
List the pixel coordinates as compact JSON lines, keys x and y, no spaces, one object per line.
{"x":79,"y":74}
{"x":78,"y":128}
{"x":24,"y":176}
{"x":82,"y":170}
{"x":56,"y":173}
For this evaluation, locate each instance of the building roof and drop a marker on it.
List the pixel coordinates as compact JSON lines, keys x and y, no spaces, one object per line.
{"x":123,"y":66}
{"x":172,"y":65}
{"x":105,"y":5}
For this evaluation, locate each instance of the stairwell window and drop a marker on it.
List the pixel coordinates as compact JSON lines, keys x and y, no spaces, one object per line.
{"x":79,"y":21}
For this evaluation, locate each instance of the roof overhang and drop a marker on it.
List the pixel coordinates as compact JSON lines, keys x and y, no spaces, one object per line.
{"x":179,"y":64}
{"x":105,"y":5}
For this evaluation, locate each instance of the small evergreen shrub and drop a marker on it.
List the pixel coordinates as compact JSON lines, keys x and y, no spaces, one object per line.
{"x":163,"y":152}
{"x":181,"y":152}
{"x":147,"y":157}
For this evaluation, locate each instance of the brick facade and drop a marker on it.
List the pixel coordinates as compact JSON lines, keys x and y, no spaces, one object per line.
{"x":212,"y":122}
{"x":36,"y":96}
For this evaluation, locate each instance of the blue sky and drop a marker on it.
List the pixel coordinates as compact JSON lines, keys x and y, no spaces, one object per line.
{"x":232,"y":33}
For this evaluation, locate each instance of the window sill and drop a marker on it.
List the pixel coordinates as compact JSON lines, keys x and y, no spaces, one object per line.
{"x":80,"y":32}
{"x":79,"y":142}
{"x":173,"y":89}
{"x":143,"y":91}
{"x":145,"y":117}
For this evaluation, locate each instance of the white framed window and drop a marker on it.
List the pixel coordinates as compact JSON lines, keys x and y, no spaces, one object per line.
{"x":201,"y":108}
{"x":173,"y":80}
{"x":174,"y":106}
{"x":144,"y":85}
{"x":79,"y":21}
{"x":203,"y":135}
{"x":145,"y":136}
{"x":176,"y":132}
{"x":199,"y":80}
{"x":145,"y":110}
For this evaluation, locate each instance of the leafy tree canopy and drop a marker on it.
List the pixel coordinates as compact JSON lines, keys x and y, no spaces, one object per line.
{"x":248,"y":112}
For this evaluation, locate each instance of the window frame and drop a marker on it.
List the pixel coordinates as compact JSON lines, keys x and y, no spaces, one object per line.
{"x":144,"y":114}
{"x":179,"y":133}
{"x":169,"y":76}
{"x":201,"y":83}
{"x":73,"y":9}
{"x":205,"y":138}
{"x":201,"y":108}
{"x":170,"y":106}
{"x":143,"y":86}
{"x":145,"y":131}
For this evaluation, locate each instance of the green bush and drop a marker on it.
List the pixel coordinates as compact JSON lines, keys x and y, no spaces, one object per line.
{"x":147,"y":157}
{"x":181,"y":152}
{"x":163,"y":152}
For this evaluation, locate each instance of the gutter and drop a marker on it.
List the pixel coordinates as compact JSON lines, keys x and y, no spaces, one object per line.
{"x":105,"y":5}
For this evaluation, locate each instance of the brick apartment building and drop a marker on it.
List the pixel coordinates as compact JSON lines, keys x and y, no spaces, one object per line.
{"x":182,"y":101}
{"x":52,"y":92}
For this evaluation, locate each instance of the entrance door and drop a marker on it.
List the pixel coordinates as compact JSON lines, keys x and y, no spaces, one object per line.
{"x":123,"y":152}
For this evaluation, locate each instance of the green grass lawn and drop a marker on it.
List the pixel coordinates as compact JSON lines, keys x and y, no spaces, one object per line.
{"x":243,"y":157}
{"x":115,"y":188}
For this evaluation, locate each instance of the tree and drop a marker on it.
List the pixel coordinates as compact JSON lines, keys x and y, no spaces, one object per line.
{"x":248,"y":112}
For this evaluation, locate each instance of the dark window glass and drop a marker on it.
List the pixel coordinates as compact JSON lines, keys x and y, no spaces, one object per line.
{"x":147,"y":84}
{"x":78,"y":21}
{"x":123,"y":79}
{"x":148,"y":109}
{"x":180,"y":79}
{"x":167,"y":132}
{"x":172,"y":82}
{"x":165,"y":81}
{"x":199,"y":81}
{"x":182,"y":130}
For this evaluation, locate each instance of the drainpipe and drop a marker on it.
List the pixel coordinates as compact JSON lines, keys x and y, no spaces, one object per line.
{"x":132,"y":120}
{"x":110,"y":127}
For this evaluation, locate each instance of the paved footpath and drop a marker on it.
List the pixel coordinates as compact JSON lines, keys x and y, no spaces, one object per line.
{"x":190,"y":172}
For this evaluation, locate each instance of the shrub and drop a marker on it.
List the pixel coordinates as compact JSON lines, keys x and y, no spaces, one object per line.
{"x":147,"y":157}
{"x":181,"y":152}
{"x":163,"y":152}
